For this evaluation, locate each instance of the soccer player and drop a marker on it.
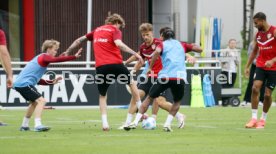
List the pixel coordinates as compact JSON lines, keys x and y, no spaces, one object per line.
{"x":31,"y":75}
{"x":146,"y":50}
{"x":172,"y":75}
{"x":265,"y":73}
{"x":5,"y":61}
{"x":107,"y":43}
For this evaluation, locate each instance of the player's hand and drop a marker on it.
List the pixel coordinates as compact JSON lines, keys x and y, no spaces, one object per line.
{"x":246,"y":72}
{"x":9,"y":82}
{"x":269,"y":63}
{"x":55,"y":81}
{"x":191,"y":60}
{"x":140,"y":59}
{"x":78,"y":54}
{"x":149,"y":71}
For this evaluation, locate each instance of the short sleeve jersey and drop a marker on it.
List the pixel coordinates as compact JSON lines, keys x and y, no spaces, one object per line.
{"x":146,"y":51}
{"x":267,"y":48}
{"x":105,"y":50}
{"x":2,"y":38}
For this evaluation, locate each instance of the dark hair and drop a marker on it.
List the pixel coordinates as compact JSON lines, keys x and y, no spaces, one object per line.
{"x":168,"y":34}
{"x":163,"y":29}
{"x":260,"y":15}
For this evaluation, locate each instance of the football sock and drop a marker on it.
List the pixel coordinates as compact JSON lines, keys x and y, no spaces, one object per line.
{"x":37,"y":122}
{"x":25,"y":122}
{"x":254,"y":113}
{"x":169,"y":120}
{"x":104,"y":121}
{"x":264,"y":115}
{"x":137,"y":118}
{"x":177,"y":115}
{"x":154,"y":116}
{"x":129,"y":118}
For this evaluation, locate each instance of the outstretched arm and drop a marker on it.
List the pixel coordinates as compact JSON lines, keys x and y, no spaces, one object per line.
{"x":196,"y":48}
{"x":46,"y":59}
{"x":75,"y":45}
{"x":131,"y":59}
{"x":49,"y":82}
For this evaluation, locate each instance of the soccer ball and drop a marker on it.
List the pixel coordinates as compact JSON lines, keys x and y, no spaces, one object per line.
{"x":149,"y":123}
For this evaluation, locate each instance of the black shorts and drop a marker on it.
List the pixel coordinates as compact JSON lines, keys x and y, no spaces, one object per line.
{"x":176,"y":86}
{"x":30,"y":93}
{"x":109,"y":74}
{"x":146,"y":83}
{"x":268,"y":77}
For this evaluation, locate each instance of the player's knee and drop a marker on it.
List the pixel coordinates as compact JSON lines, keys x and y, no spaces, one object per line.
{"x":160,"y":101}
{"x":255,"y":89}
{"x":41,"y":100}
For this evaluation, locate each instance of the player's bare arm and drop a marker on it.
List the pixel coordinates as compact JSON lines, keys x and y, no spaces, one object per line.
{"x":6,"y":62}
{"x":196,"y":48}
{"x":75,"y":45}
{"x":125,"y":48}
{"x":131,"y":59}
{"x":251,"y":58}
{"x":155,"y":55}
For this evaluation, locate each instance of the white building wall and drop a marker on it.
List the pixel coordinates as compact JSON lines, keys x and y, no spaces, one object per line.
{"x":230,"y":11}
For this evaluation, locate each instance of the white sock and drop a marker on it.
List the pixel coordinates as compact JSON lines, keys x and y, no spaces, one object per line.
{"x":137,"y":118}
{"x":154,"y":116}
{"x":177,"y":115}
{"x":25,"y":122}
{"x":104,"y":121}
{"x":129,"y":118}
{"x":169,"y":120}
{"x":264,"y":116}
{"x":254,"y":113}
{"x":37,"y":122}
{"x":138,"y":104}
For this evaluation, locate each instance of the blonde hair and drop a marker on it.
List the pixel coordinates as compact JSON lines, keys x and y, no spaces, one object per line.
{"x":115,"y":19}
{"x":145,"y":27}
{"x":49,"y":44}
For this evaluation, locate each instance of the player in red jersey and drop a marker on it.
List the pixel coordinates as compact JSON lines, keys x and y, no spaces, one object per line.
{"x":146,"y":50}
{"x":265,"y":46}
{"x":5,"y":61}
{"x":107,"y":43}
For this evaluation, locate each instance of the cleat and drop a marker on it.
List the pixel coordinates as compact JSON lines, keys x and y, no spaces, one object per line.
{"x":41,"y":128}
{"x":181,"y":121}
{"x":167,"y":129}
{"x":24,"y":128}
{"x":251,"y":124}
{"x":130,"y":126}
{"x":122,"y":127}
{"x":3,"y":124}
{"x":260,"y":124}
